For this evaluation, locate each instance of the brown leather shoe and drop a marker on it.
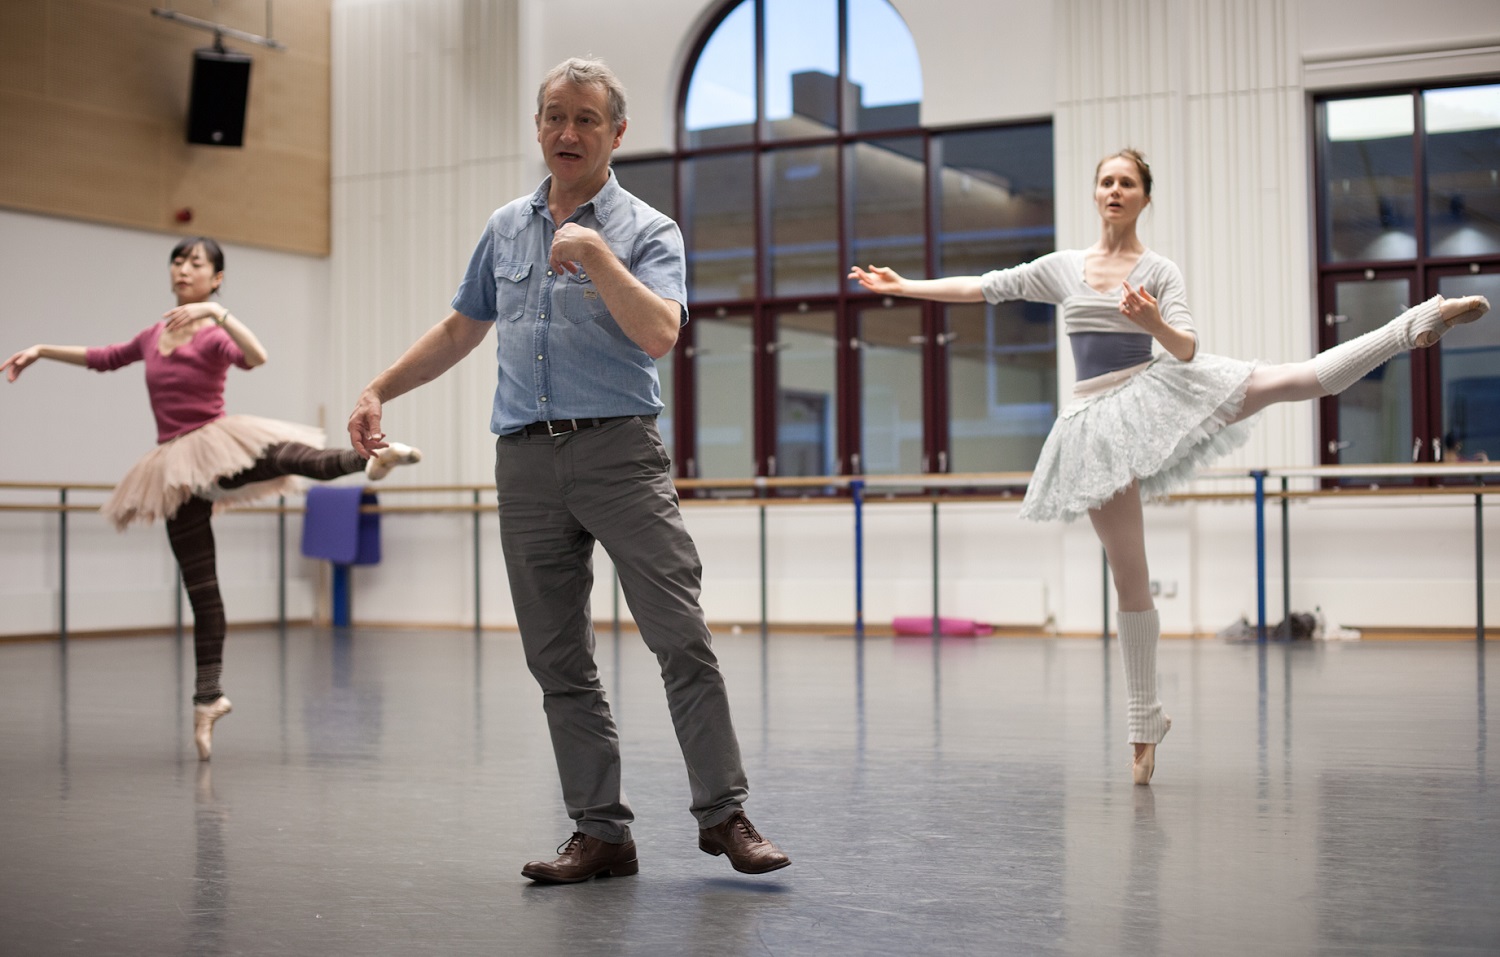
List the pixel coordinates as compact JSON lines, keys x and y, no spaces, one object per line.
{"x":583,"y":857}
{"x":748,"y":851}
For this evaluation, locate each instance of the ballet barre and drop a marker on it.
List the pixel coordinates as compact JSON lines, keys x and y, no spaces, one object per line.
{"x":1478,"y":471}
{"x":864,"y":491}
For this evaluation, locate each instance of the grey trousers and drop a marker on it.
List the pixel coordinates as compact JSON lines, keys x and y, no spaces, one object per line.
{"x":557,"y":496}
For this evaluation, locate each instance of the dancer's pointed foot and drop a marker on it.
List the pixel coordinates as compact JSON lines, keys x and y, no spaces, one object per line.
{"x":1453,"y":312}
{"x":204,"y":716}
{"x":1144,"y":764}
{"x":380,"y":464}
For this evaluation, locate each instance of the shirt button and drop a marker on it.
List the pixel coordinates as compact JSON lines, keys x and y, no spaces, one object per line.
{"x":540,"y":358}
{"x":544,"y":398}
{"x":549,"y":272}
{"x":544,"y":315}
{"x":518,"y":275}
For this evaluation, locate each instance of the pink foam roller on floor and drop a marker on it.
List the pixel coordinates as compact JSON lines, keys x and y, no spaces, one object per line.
{"x":947,"y":627}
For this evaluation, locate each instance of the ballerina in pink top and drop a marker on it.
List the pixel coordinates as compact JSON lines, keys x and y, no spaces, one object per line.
{"x":204,"y":457}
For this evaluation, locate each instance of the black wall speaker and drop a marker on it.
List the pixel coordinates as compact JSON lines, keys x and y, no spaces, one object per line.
{"x":216,"y":109}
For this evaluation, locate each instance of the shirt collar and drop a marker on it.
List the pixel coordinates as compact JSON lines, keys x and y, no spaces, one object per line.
{"x":603,"y":201}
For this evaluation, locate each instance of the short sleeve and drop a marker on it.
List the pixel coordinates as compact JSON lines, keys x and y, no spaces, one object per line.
{"x":476,"y":293}
{"x":1040,"y":280}
{"x":660,"y":264}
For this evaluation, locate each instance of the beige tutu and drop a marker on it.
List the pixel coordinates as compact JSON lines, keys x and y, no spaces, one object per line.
{"x":191,"y":464}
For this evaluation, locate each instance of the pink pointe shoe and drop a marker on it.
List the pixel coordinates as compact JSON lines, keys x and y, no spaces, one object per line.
{"x":1144,"y":764}
{"x":204,"y":716}
{"x":380,"y":464}
{"x":1453,"y":312}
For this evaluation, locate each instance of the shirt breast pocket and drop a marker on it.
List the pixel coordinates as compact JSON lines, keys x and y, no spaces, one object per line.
{"x":581,"y":300}
{"x":512,"y":280}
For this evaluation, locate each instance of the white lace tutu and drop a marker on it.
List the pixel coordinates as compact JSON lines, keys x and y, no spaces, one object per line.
{"x":1156,"y":424}
{"x":192,"y":463}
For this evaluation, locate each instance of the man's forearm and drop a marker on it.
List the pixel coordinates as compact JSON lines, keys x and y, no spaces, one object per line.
{"x":438,"y":350}
{"x":650,"y":321}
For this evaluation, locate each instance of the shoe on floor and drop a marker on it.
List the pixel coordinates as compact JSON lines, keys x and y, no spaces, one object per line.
{"x":581,"y":857}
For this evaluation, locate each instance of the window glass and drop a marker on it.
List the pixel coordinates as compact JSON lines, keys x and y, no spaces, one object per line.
{"x":1002,"y":384}
{"x":802,"y":192}
{"x":883,"y":68}
{"x":888,"y":205}
{"x":1374,"y":420}
{"x":802,"y":68}
{"x":1471,"y":377}
{"x":718,"y":225}
{"x":890,"y":367}
{"x":995,"y":210}
{"x":724,"y":353}
{"x":1368,"y":186}
{"x":995,"y":195}
{"x":651,"y":181}
{"x":1463,"y":170}
{"x":806,"y":394}
{"x":720,"y":107}
{"x":771,"y":224}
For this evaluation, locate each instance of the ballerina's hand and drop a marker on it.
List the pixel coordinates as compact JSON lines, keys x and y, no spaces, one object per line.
{"x":1139,"y":306}
{"x":881,"y":279}
{"x":18,"y":362}
{"x":190,"y":313}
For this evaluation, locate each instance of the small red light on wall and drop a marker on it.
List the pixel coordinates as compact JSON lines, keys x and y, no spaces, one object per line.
{"x":184,"y":215}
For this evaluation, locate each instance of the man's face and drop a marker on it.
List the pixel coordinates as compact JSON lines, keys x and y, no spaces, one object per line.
{"x":576,"y":134}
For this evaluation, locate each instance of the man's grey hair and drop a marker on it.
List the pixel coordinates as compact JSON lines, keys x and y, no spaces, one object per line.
{"x":581,"y":72}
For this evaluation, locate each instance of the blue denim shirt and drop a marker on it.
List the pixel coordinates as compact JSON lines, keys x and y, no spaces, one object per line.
{"x":561,"y":354}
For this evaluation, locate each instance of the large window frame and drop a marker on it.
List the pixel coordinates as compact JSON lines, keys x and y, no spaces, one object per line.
{"x":843,"y":300}
{"x":1425,"y":274}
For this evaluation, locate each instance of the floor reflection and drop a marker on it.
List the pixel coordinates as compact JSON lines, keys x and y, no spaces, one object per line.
{"x":376,"y":792}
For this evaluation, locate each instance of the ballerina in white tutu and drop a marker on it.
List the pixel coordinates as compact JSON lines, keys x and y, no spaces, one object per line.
{"x":1141,"y":423}
{"x":204,"y":458}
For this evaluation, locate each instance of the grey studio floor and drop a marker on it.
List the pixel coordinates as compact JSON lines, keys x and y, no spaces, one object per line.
{"x":377,"y":791}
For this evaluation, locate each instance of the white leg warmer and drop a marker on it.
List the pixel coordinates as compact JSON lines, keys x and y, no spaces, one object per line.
{"x":1145,"y":719}
{"x":1348,"y":362}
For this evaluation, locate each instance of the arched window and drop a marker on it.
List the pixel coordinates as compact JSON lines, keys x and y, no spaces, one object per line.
{"x":800,"y":150}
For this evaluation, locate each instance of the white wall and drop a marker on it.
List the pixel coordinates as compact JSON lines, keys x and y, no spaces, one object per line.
{"x":73,"y":283}
{"x":432,"y":112}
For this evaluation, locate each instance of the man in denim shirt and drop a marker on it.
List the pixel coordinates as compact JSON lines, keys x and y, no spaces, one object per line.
{"x":584,"y":284}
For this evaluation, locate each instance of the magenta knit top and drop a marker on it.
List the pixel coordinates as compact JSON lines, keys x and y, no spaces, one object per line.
{"x":187,"y":386}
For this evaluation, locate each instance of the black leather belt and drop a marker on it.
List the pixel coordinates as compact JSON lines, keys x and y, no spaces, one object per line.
{"x":556,"y":427}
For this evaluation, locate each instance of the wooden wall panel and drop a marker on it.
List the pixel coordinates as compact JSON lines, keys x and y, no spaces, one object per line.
{"x":93,"y":117}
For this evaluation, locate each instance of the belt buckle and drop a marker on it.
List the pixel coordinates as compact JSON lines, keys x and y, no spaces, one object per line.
{"x":554,"y":433}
